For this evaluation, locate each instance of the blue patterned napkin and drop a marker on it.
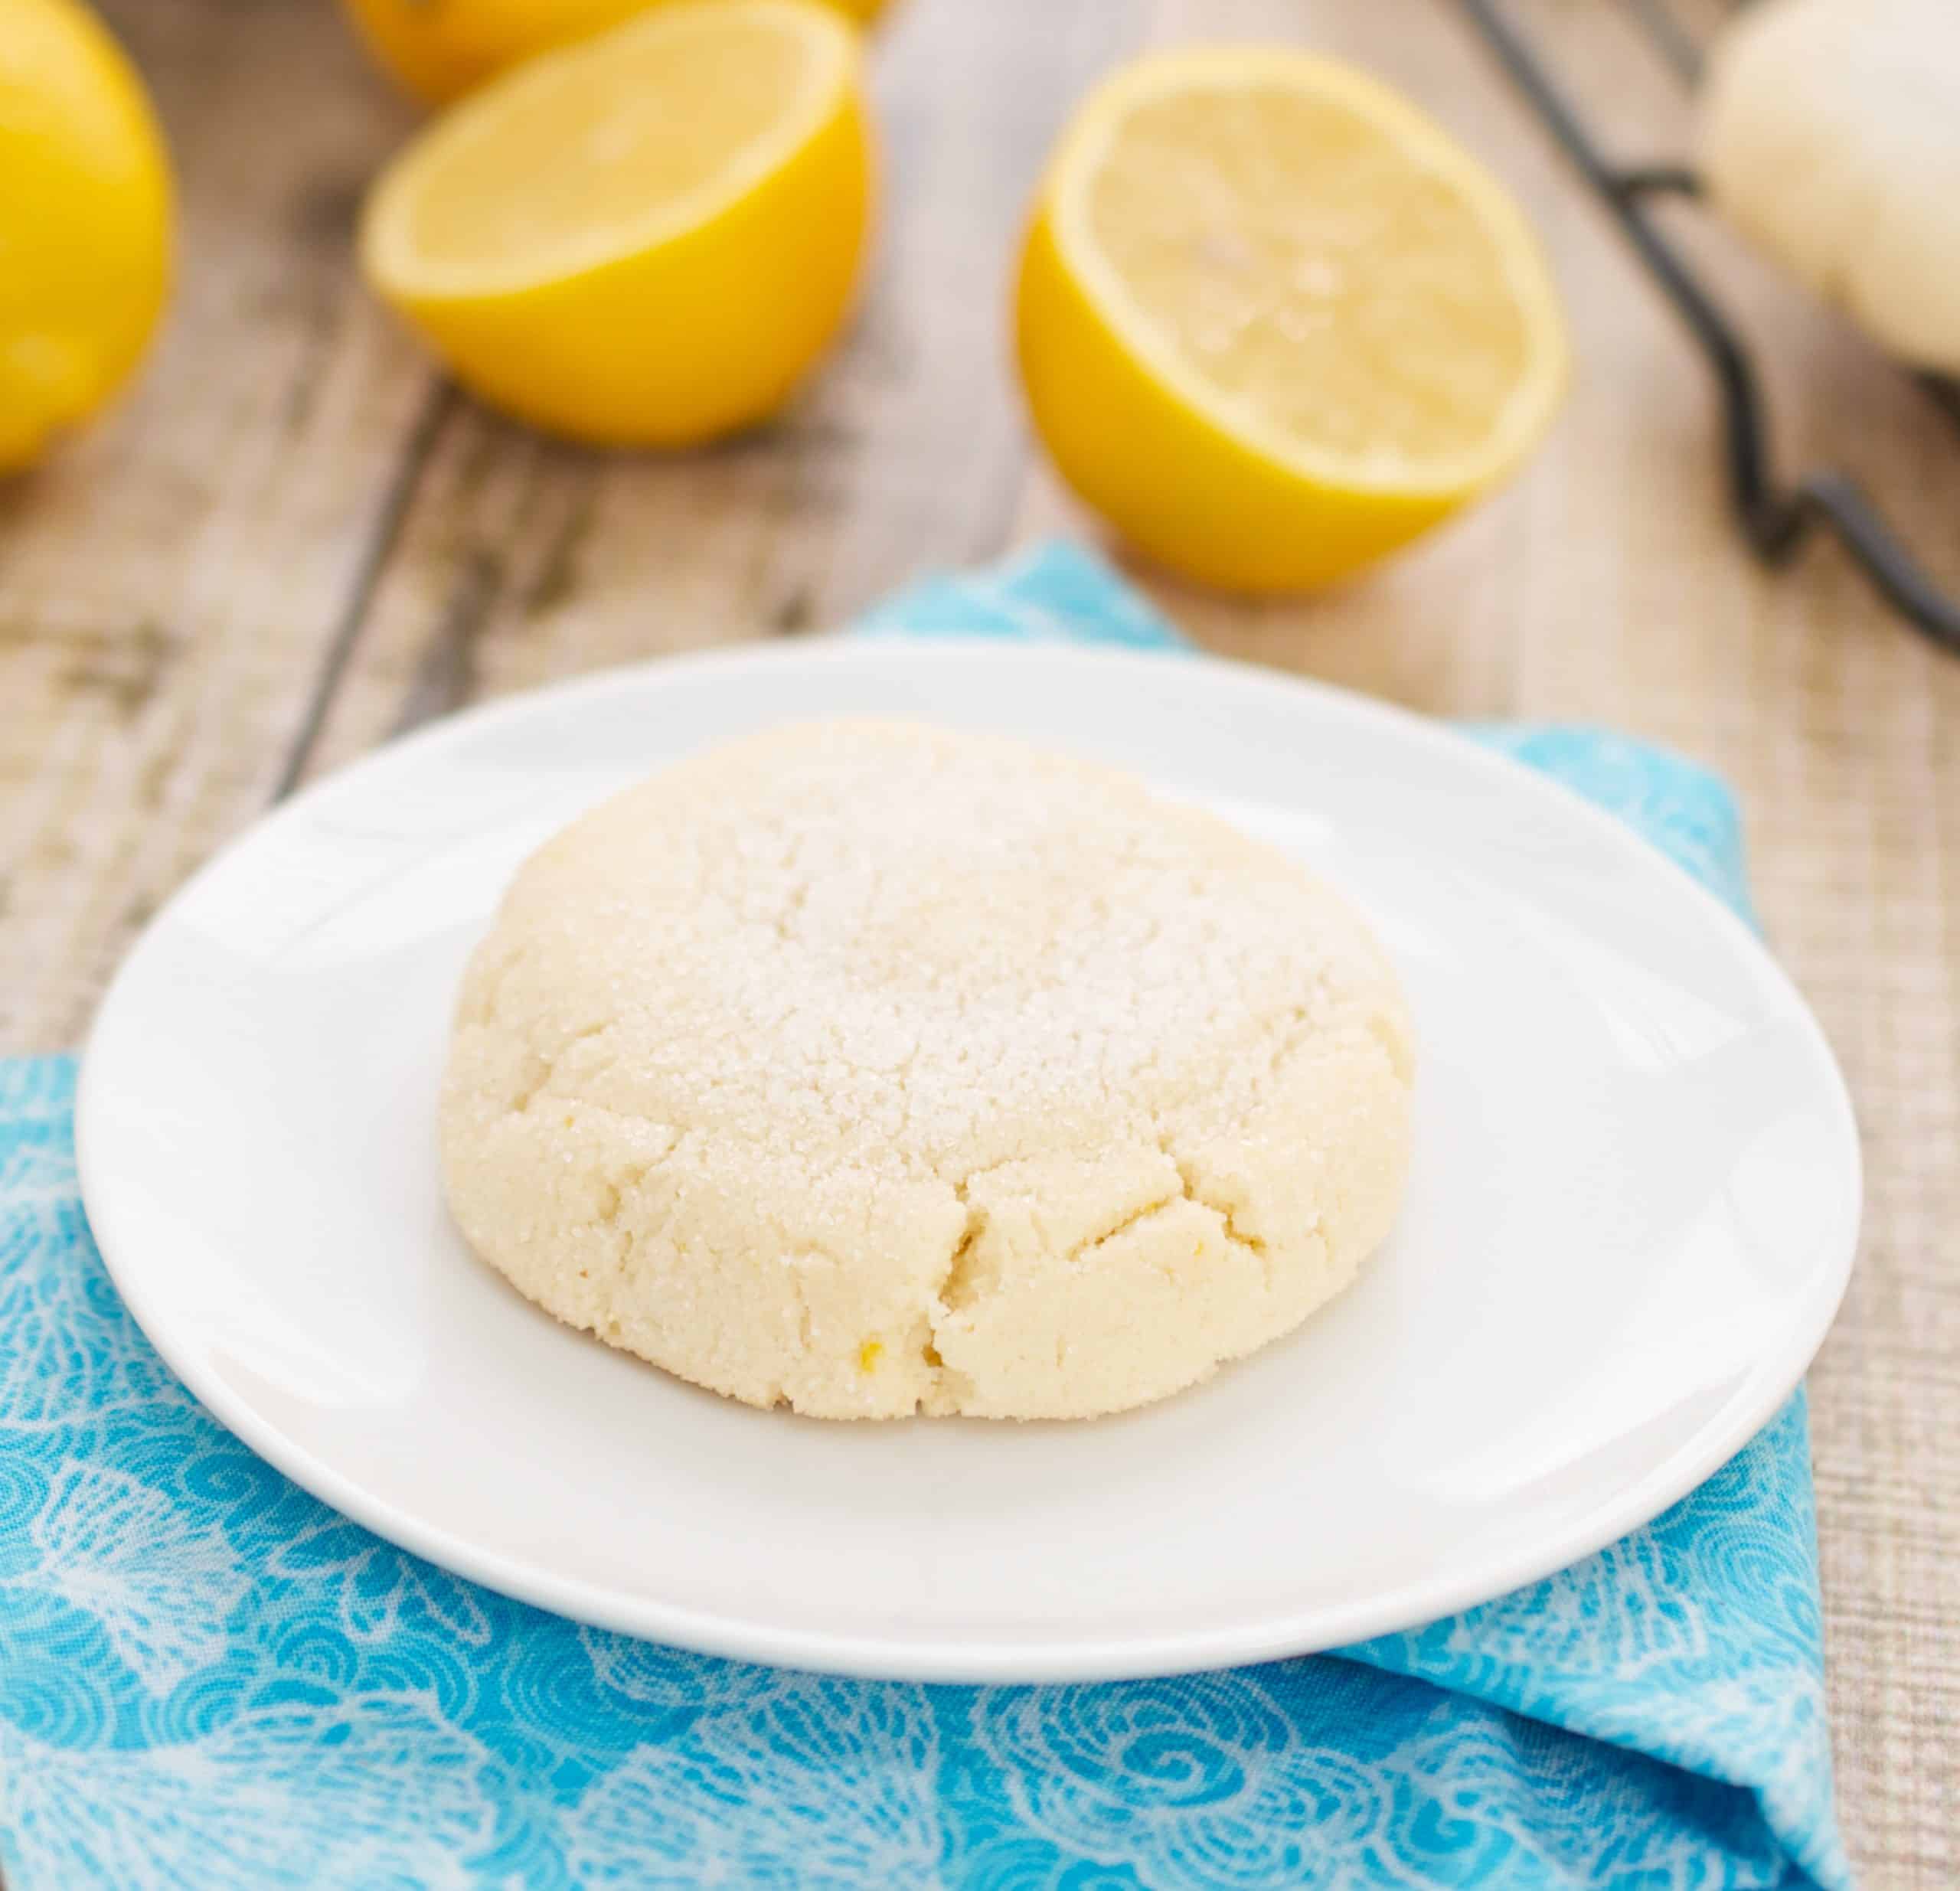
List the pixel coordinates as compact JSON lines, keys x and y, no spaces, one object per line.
{"x":208,"y":1680}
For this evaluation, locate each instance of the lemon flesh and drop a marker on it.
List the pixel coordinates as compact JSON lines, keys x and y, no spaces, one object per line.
{"x":1273,"y":323}
{"x":85,"y":222}
{"x":645,"y":238}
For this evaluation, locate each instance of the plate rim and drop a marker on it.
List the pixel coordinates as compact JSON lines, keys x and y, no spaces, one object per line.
{"x":1776,"y":1374}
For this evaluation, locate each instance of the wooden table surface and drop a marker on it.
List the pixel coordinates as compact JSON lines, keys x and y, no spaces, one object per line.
{"x":293,"y":539}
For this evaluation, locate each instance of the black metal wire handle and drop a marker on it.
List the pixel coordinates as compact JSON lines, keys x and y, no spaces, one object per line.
{"x":1774,"y":520}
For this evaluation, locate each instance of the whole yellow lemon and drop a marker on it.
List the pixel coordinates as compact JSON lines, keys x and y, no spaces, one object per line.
{"x":85,"y":221}
{"x":439,"y":49}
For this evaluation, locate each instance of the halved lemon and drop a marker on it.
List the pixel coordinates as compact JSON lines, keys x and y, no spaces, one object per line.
{"x":644,"y":239}
{"x":1273,"y":322}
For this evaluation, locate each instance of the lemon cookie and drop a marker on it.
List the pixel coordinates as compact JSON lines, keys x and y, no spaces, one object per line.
{"x":873,"y":1069}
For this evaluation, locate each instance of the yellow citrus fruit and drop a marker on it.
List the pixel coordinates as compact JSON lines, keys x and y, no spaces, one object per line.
{"x":440,"y":49}
{"x":1272,"y":322}
{"x":85,"y":221}
{"x":645,"y":238}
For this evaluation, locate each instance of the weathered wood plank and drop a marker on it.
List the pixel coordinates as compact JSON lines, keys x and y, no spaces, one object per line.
{"x":167,"y":583}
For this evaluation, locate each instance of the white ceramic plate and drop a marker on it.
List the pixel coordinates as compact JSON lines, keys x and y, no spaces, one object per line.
{"x":1632,"y":1213}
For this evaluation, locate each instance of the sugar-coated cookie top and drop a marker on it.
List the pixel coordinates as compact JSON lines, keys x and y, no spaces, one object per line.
{"x":927,"y":1006}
